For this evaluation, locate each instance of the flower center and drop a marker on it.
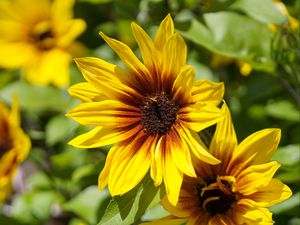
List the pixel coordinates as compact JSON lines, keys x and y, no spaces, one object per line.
{"x":158,"y":113}
{"x":5,"y":142}
{"x":42,"y":36}
{"x":217,"y":196}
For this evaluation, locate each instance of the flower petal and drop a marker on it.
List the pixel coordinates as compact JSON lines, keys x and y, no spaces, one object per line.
{"x":103,"y":176}
{"x":245,"y":213}
{"x":15,"y":54}
{"x":100,"y":136}
{"x":180,"y":153}
{"x":205,"y":91}
{"x":196,"y":145}
{"x":256,"y":148}
{"x":86,"y":92}
{"x":51,"y":67}
{"x":256,"y":177}
{"x":128,"y":57}
{"x":174,"y":56}
{"x":183,"y":84}
{"x":105,"y":113}
{"x":200,"y":116}
{"x":130,"y":165}
{"x":184,"y":207}
{"x":224,"y":140}
{"x":164,"y":32}
{"x":106,"y":78}
{"x":148,"y":51}
{"x":271,"y":194}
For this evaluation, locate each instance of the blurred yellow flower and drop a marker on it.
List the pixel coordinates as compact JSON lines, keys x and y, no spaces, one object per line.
{"x":37,"y":36}
{"x":14,"y":147}
{"x":238,"y":190}
{"x":152,"y":111}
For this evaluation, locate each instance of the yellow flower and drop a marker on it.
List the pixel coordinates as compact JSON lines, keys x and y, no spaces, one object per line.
{"x":152,"y":111}
{"x":37,"y":36}
{"x":14,"y":147}
{"x":238,"y":190}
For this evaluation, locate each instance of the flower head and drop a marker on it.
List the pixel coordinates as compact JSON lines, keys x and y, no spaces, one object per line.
{"x":238,"y":190}
{"x":14,"y":147}
{"x":151,"y":111}
{"x":37,"y":36}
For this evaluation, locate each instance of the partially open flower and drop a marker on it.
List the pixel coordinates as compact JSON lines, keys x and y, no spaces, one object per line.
{"x":238,"y":190}
{"x":14,"y":147}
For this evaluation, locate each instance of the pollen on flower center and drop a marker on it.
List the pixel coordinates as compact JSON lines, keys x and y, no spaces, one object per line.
{"x":5,"y":142}
{"x":158,"y":113}
{"x":215,"y":199}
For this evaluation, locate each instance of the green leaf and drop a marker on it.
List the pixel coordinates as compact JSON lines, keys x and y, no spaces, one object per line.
{"x":128,"y":208}
{"x":87,"y":203}
{"x":283,"y":110}
{"x":233,"y":35}
{"x":58,"y":129}
{"x":36,"y":98}
{"x":288,"y":155}
{"x":35,"y":206}
{"x":264,"y":11}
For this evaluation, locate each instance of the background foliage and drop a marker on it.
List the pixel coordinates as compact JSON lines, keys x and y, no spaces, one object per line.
{"x":57,"y":185}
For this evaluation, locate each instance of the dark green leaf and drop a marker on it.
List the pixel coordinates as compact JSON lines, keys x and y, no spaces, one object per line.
{"x":128,"y":208}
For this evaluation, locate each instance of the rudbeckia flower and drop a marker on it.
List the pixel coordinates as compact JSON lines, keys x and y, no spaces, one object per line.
{"x":237,"y":191}
{"x":37,"y":36}
{"x":14,"y":147}
{"x":151,"y":111}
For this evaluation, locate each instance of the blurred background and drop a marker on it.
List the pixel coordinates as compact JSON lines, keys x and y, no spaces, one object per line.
{"x":253,"y":46}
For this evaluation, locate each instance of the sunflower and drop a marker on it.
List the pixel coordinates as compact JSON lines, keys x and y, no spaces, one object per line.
{"x":37,"y":36}
{"x":14,"y":147}
{"x":238,"y":190}
{"x":151,"y":111}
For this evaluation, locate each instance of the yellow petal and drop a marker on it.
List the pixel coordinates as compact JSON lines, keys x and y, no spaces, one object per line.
{"x":11,"y":30}
{"x":255,"y":177}
{"x":100,"y":136}
{"x":197,"y":146}
{"x":224,"y":140}
{"x":62,"y":11}
{"x":183,"y":84}
{"x":173,"y":57}
{"x":257,"y":148}
{"x":205,"y":91}
{"x":183,"y":208}
{"x":130,"y":165}
{"x":148,"y":51}
{"x":14,"y":116}
{"x":156,"y":168}
{"x":105,"y":113}
{"x":103,"y":176}
{"x":104,"y":76}
{"x":72,"y":30}
{"x":164,"y":32}
{"x":172,"y":179}
{"x":128,"y":57}
{"x":86,"y":92}
{"x":245,"y":213}
{"x":180,"y":153}
{"x":50,"y":67}
{"x":15,"y":54}
{"x":271,"y":194}
{"x":200,"y":116}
